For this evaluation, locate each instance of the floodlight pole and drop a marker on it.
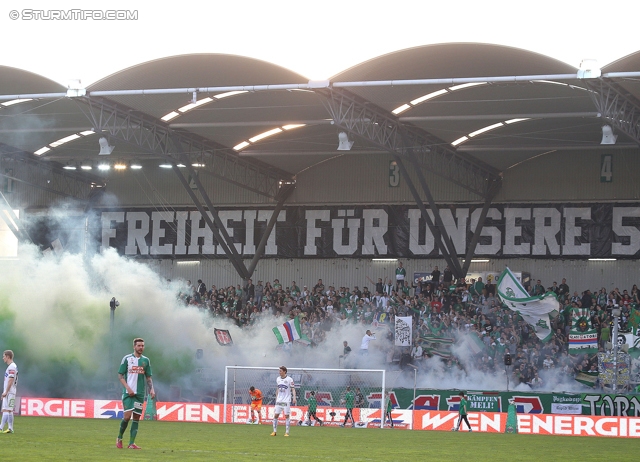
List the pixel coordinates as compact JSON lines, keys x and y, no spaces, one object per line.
{"x":506,"y":371}
{"x":113,"y":304}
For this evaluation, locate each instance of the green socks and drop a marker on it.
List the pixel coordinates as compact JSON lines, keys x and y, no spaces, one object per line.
{"x":134,"y":431}
{"x":123,"y":427}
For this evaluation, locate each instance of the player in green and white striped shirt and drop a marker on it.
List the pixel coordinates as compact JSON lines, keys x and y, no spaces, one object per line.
{"x":134,"y":371}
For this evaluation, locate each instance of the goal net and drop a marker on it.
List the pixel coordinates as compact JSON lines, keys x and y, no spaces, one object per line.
{"x":334,"y":391}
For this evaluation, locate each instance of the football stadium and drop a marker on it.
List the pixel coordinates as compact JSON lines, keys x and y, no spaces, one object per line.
{"x":432,"y":252}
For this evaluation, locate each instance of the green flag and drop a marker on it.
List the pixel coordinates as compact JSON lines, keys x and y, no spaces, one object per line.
{"x":587,"y":378}
{"x":634,"y":318}
{"x":150,"y":409}
{"x":512,"y":418}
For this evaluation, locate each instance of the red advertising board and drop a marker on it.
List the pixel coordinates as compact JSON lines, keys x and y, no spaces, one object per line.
{"x":190,"y":412}
{"x":492,"y":422}
{"x":52,"y":407}
{"x":543,"y":424}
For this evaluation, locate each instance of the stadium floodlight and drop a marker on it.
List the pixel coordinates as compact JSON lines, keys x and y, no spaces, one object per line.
{"x":343,"y":142}
{"x":589,"y":69}
{"x":607,"y":135}
{"x":105,"y":147}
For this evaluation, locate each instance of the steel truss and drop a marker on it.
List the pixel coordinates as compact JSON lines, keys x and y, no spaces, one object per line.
{"x":49,"y":176}
{"x":422,"y":151}
{"x":617,"y":106}
{"x":12,"y":221}
{"x":215,"y":224}
{"x":362,"y":118}
{"x":188,"y":149}
{"x":154,"y":136}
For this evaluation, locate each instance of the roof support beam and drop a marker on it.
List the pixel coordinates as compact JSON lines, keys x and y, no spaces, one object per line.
{"x":154,"y":136}
{"x":12,"y":221}
{"x":26,"y":168}
{"x":363,"y":119}
{"x":213,"y":222}
{"x":187,"y":149}
{"x":314,"y":85}
{"x":455,"y":267}
{"x":476,"y":234}
{"x":617,"y":106}
{"x":440,"y":236}
{"x":217,"y":227}
{"x":423,"y":151}
{"x":285,"y":192}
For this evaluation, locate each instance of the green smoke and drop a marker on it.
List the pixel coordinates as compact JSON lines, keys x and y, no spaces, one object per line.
{"x":55,"y":316}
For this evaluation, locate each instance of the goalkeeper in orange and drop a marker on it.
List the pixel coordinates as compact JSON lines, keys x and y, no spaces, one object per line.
{"x":256,"y":405}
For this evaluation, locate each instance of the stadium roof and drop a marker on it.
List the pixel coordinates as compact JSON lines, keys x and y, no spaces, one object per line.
{"x":276,"y":121}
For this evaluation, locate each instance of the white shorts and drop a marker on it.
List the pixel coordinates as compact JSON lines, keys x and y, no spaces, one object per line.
{"x":9,"y":402}
{"x":283,"y":408}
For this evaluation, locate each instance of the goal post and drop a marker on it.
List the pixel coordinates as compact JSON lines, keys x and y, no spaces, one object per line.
{"x":330,"y":387}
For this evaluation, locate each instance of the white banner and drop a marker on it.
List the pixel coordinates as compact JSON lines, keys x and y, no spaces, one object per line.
{"x":566,"y":408}
{"x":404,"y":331}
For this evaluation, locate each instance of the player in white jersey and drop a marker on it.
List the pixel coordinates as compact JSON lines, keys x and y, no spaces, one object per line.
{"x":9,"y":392}
{"x":285,"y":396}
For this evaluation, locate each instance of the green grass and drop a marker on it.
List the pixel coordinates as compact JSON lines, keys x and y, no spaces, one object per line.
{"x":46,"y":438}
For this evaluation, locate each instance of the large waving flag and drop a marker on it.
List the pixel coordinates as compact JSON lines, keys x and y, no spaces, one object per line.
{"x":534,"y":310}
{"x":290,"y":332}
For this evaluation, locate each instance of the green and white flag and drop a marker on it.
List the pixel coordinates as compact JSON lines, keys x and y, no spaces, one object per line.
{"x":290,"y":332}
{"x":474,"y":343}
{"x":534,"y":310}
{"x":587,"y":378}
{"x":633,"y":340}
{"x":634,"y":317}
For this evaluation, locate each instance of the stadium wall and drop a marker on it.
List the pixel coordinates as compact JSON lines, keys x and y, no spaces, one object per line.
{"x":580,"y":274}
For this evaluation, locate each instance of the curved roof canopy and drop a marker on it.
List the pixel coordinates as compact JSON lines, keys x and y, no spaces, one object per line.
{"x":499,"y":122}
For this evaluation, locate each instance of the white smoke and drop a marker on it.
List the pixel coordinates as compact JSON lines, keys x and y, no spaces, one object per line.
{"x":54,"y":314}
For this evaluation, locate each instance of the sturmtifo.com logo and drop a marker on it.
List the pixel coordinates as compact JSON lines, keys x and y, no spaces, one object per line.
{"x":74,"y":15}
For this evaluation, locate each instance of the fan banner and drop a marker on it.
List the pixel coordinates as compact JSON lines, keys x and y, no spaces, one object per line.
{"x":355,"y":231}
{"x":403,"y":331}
{"x":223,"y":337}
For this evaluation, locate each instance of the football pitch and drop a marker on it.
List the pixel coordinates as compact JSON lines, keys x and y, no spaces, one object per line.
{"x":46,"y":438}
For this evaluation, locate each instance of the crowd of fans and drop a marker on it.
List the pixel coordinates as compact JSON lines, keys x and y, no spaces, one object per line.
{"x":441,"y":309}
